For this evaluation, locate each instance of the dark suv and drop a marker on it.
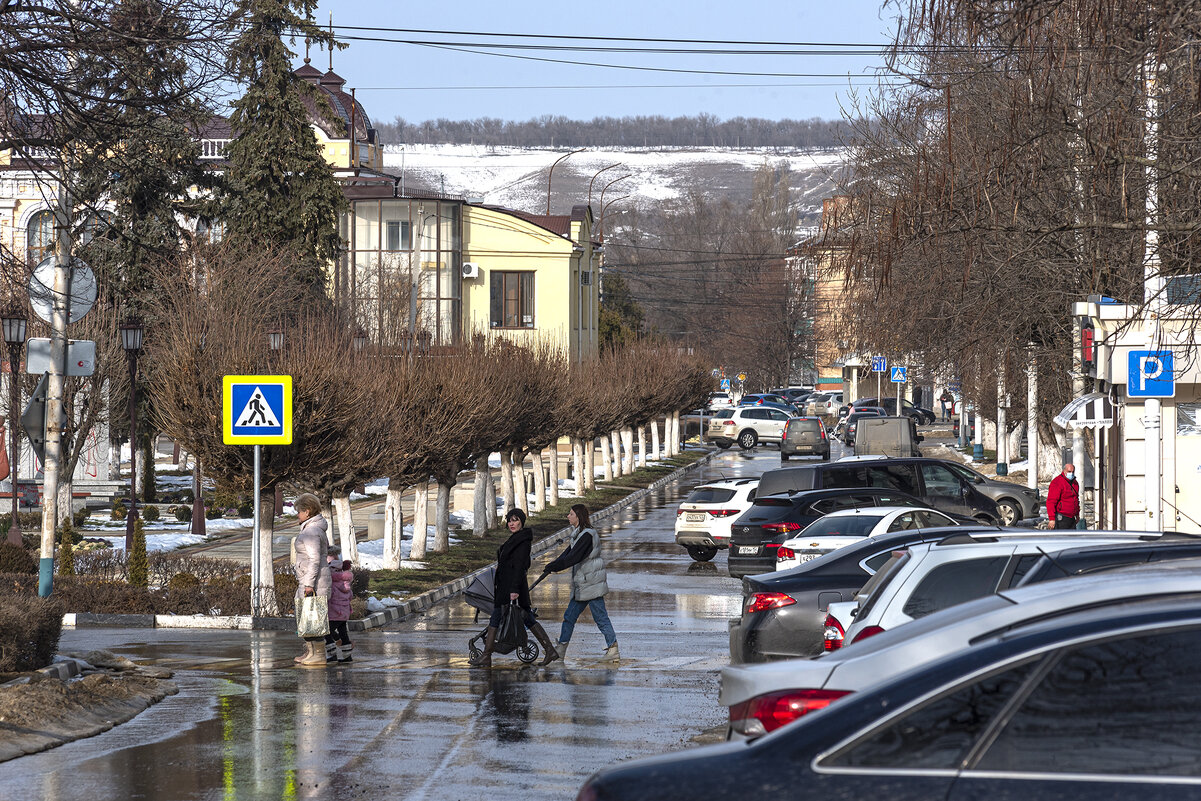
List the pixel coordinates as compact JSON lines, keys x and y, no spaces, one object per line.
{"x":930,"y":480}
{"x":758,"y":532}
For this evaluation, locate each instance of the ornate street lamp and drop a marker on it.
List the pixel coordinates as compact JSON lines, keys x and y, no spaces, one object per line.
{"x":131,"y":341}
{"x":14,"y":337}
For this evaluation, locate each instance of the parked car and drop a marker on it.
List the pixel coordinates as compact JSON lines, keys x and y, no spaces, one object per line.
{"x":844,"y":526}
{"x":848,"y":425}
{"x":746,"y":689}
{"x":1098,"y":558}
{"x":1090,"y":704}
{"x":920,"y":415}
{"x":703,"y":518}
{"x":887,"y":436}
{"x":783,"y":613}
{"x":804,"y":436}
{"x":748,"y":426}
{"x":794,"y":395}
{"x":758,"y":532}
{"x":923,"y":579}
{"x":971,"y":426}
{"x":823,"y":404}
{"x":1014,"y":502}
{"x":761,"y":398}
{"x":719,"y":400}
{"x":930,"y":480}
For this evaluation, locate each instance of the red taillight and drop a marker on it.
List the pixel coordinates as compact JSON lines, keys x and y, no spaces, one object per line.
{"x":823,"y":432}
{"x":762,"y":601}
{"x":781,"y":528}
{"x":723,"y":512}
{"x":832,"y":636}
{"x":766,"y":713}
{"x":783,"y":553}
{"x":728,"y":423}
{"x":868,"y":631}
{"x":679,"y":511}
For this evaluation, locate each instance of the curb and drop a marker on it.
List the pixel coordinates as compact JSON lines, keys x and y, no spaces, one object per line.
{"x":66,"y":669}
{"x":391,"y":614}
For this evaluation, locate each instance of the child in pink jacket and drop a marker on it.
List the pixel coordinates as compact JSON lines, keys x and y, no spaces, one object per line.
{"x":337,"y":642}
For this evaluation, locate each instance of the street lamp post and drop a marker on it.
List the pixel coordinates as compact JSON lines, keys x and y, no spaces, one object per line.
{"x":551,"y":172}
{"x":131,"y":341}
{"x":14,"y":337}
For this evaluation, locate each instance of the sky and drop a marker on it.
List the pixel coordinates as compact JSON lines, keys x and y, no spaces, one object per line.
{"x":427,"y":81}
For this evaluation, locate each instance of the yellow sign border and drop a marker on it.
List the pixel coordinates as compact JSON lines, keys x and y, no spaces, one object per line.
{"x":227,"y":412}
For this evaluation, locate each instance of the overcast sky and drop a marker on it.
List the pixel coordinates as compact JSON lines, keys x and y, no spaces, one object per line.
{"x":424,"y":81}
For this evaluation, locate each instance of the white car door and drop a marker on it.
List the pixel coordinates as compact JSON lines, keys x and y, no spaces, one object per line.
{"x":774,"y":425}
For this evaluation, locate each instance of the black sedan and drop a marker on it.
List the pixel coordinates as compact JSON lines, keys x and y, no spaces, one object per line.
{"x":758,"y":532}
{"x":1101,"y":704}
{"x":784,"y":613}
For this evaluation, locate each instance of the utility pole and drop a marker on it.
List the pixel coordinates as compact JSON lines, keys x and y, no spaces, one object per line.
{"x":1032,"y":421}
{"x":1002,"y":422}
{"x":1153,"y":288}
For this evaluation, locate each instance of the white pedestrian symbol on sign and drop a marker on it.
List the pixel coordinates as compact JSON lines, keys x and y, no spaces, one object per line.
{"x":257,"y":412}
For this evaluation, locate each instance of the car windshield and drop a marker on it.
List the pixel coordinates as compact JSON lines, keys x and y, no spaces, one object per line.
{"x":962,"y":472}
{"x":842,"y":526}
{"x":709,"y":495}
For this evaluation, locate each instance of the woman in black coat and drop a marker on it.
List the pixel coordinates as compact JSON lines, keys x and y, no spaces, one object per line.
{"x":510,"y":584}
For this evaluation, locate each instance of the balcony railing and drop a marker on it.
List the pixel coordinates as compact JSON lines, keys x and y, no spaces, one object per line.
{"x":213,"y":149}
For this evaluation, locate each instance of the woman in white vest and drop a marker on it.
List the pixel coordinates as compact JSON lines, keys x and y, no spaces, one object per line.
{"x":588,"y":585}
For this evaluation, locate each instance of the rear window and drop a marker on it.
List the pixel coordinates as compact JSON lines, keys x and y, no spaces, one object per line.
{"x":793,"y":479}
{"x":723,"y":414}
{"x":709,"y":495}
{"x":809,"y":425}
{"x":842,"y":526}
{"x":871,"y":591}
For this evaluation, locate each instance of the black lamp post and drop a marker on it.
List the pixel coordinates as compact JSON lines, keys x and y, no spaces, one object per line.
{"x":131,"y":340}
{"x":14,"y":337}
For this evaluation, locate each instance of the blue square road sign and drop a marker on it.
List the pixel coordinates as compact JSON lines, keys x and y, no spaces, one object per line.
{"x":879,"y":364}
{"x":257,"y":409}
{"x":898,"y":375}
{"x":1150,"y":374}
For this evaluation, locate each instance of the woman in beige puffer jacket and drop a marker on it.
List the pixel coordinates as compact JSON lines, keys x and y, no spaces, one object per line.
{"x":312,"y":568}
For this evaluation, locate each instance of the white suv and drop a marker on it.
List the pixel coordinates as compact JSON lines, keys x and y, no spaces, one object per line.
{"x":748,"y":426}
{"x":926,"y":578}
{"x":703,"y":519}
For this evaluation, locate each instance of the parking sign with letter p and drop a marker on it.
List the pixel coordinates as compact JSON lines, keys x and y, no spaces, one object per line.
{"x":1150,"y":374}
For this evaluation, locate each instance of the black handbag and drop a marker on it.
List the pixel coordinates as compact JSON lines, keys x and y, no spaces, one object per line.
{"x":510,"y":634}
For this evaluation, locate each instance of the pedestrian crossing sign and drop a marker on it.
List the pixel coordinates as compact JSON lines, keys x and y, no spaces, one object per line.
{"x":257,"y":409}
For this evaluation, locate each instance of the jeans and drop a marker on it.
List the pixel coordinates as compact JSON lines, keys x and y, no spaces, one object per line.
{"x":600,"y":616}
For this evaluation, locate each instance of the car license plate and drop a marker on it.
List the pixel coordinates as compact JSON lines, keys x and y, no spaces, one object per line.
{"x":695,"y":518}
{"x":748,"y":550}
{"x":802,"y":558}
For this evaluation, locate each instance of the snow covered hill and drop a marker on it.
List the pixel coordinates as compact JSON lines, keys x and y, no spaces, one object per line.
{"x":517,"y":177}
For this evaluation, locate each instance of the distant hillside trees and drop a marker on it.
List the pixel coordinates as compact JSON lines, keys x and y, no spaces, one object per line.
{"x":703,"y":130}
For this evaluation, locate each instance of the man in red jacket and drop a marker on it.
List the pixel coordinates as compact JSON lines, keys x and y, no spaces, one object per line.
{"x":1063,"y":499}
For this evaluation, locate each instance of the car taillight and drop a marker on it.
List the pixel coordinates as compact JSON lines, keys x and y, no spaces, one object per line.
{"x":867,"y":631}
{"x":766,"y":713}
{"x":728,"y":423}
{"x":723,"y":512}
{"x":781,"y":528}
{"x":832,"y":636}
{"x":762,"y":601}
{"x":783,"y":553}
{"x":679,"y":511}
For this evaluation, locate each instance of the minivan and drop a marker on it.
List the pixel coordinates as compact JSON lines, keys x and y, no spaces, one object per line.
{"x":887,"y":436}
{"x":930,"y":480}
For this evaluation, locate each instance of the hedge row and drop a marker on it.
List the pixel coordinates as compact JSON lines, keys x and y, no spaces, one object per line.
{"x":29,"y":631}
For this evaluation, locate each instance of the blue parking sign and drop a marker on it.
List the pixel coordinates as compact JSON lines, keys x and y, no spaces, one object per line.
{"x":1150,"y":374}
{"x":898,"y":375}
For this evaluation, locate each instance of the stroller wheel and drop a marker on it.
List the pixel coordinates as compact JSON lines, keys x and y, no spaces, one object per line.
{"x":473,"y":648}
{"x":528,"y":652}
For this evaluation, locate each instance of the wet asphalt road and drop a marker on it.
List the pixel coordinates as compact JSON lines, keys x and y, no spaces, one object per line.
{"x":408,"y":719}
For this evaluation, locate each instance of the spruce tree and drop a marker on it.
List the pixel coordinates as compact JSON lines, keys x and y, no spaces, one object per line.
{"x":139,"y":563}
{"x":279,"y":188}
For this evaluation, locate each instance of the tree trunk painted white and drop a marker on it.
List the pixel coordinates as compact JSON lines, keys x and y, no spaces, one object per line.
{"x":656,"y":453}
{"x":266,"y":587}
{"x":442,"y":516}
{"x":606,"y":459}
{"x":615,"y":442}
{"x":642,"y":446}
{"x":65,"y":489}
{"x":672,"y":435}
{"x":521,"y":498}
{"x":577,"y":464}
{"x":420,"y":520}
{"x":553,"y":489}
{"x":479,"y":498}
{"x":506,"y":478}
{"x":590,"y":464}
{"x":114,"y":460}
{"x":393,"y":525}
{"x":1015,"y":442}
{"x":492,"y":519}
{"x":627,"y":456}
{"x":539,"y":502}
{"x":346,"y":539}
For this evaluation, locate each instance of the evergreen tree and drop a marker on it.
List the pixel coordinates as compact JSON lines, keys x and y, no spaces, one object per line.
{"x":280,"y":190}
{"x":66,"y":558}
{"x":620,"y":315}
{"x":139,"y":563}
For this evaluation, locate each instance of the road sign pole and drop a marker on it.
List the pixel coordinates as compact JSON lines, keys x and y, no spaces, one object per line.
{"x":878,"y":388}
{"x":256,"y":568}
{"x":899,"y":410}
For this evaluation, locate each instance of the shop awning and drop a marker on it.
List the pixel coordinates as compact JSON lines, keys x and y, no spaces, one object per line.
{"x":1090,"y":411}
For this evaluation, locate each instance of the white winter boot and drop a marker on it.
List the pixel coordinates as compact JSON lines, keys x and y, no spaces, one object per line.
{"x":611,"y":654}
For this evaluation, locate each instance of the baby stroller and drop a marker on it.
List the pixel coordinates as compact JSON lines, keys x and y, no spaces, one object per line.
{"x":478,"y":595}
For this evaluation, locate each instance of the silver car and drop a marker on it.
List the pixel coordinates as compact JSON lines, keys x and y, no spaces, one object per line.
{"x":748,"y":426}
{"x":759,"y":695}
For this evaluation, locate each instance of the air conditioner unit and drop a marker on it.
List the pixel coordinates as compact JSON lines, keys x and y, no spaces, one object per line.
{"x":471,"y":269}
{"x":586,"y":277}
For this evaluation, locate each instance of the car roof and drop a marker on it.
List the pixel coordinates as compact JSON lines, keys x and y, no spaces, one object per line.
{"x":727,"y":483}
{"x":878,"y":510}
